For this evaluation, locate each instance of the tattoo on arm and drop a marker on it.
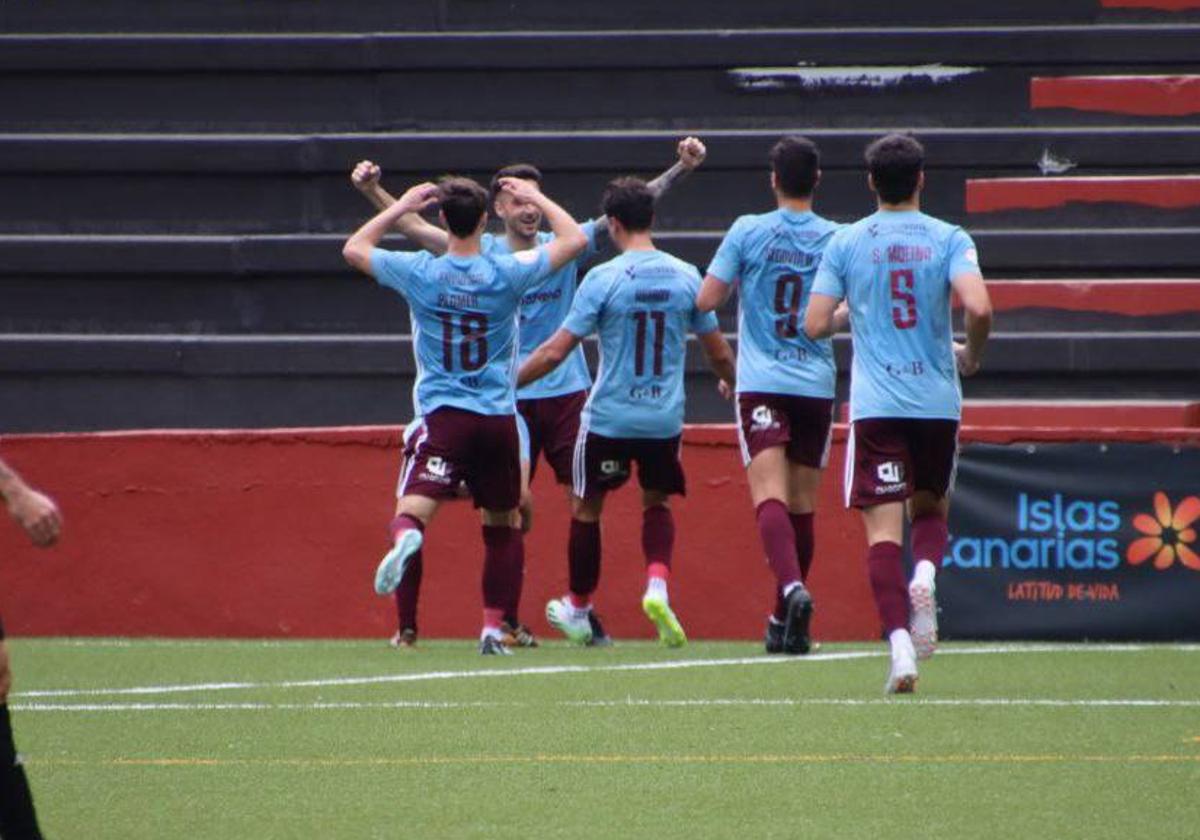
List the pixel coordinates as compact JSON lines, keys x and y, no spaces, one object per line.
{"x":668,"y":179}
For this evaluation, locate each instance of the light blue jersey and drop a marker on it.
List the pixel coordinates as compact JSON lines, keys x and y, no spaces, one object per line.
{"x":464,"y":315}
{"x":643,"y":303}
{"x":774,"y":258}
{"x":894,"y":269}
{"x":542,"y":312}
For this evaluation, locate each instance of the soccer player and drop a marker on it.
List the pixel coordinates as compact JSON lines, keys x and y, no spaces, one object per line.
{"x":785,"y":380}
{"x":39,"y":517}
{"x":642,"y":304}
{"x":551,"y":406}
{"x":896,"y":269}
{"x":464,"y":308}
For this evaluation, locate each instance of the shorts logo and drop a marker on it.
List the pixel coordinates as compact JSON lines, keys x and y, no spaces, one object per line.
{"x":436,"y":466}
{"x":610,"y":468}
{"x":890,"y":472}
{"x":762,"y":418}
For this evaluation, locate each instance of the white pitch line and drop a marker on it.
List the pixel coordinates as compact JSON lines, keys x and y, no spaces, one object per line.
{"x":551,"y":670}
{"x":629,"y":703}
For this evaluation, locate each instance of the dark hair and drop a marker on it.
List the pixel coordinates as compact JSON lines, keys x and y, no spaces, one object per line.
{"x":895,"y":162}
{"x":795,"y":162}
{"x":525,"y":171}
{"x":630,"y":202}
{"x":463,"y":202}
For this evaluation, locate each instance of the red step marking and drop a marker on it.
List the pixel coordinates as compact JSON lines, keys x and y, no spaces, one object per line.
{"x":1118,"y":297}
{"x":1156,"y":96}
{"x":1163,"y":5}
{"x":1171,"y":192}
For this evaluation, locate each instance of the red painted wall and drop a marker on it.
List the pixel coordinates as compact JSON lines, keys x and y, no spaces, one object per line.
{"x":277,"y":534}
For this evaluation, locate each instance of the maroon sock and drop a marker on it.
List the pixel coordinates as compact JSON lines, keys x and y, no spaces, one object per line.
{"x":802,"y":526}
{"x":658,"y":535}
{"x":583,"y":558}
{"x":517,"y":585}
{"x":404,"y":522}
{"x":885,"y":566}
{"x":779,"y":541}
{"x":409,"y":592}
{"x":502,"y":546}
{"x":929,"y":538}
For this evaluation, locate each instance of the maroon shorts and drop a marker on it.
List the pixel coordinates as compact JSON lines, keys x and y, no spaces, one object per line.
{"x":890,"y":458}
{"x":553,"y":424}
{"x":603,"y":464}
{"x":802,"y":425}
{"x":455,"y":446}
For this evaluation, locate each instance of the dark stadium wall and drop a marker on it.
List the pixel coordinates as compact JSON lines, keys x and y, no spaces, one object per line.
{"x":276,"y":534}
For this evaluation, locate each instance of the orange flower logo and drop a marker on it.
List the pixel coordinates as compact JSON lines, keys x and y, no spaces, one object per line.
{"x":1168,"y":535}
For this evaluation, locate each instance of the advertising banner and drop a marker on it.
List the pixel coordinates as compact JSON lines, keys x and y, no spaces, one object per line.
{"x":1073,"y":541}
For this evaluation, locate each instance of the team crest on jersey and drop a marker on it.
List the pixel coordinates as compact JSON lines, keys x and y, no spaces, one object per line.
{"x":762,"y":418}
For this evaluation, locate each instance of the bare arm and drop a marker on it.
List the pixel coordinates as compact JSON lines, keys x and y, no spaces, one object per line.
{"x":366,"y":177}
{"x":977,"y":312}
{"x":691,"y":154}
{"x":547,"y":357}
{"x":819,"y":320}
{"x":713,"y":294}
{"x":357,"y":250}
{"x":34,"y":512}
{"x":720,"y":358}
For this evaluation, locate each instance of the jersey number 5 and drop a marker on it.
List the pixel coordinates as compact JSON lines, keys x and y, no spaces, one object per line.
{"x":904,"y":303}
{"x":472,"y":340}
{"x":644,"y":320}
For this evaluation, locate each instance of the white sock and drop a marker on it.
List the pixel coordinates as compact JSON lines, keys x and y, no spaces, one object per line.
{"x":924,"y":572}
{"x":656,"y":588}
{"x":901,"y":643}
{"x":787,"y":590}
{"x":489,"y":632}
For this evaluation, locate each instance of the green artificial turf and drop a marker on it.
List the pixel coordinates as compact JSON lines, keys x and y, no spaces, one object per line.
{"x":355,"y":740}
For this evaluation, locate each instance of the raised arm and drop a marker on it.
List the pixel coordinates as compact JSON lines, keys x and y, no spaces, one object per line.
{"x":357,"y":250}
{"x":977,"y":313}
{"x":691,"y":152}
{"x":366,"y":177}
{"x":547,"y":357}
{"x":34,"y":512}
{"x":569,"y":239}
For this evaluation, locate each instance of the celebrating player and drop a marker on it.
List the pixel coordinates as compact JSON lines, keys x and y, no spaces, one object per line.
{"x":642,"y":304}
{"x":896,"y":269}
{"x":463,"y":306}
{"x":550,"y":406}
{"x":785,"y":380}
{"x":39,"y":517}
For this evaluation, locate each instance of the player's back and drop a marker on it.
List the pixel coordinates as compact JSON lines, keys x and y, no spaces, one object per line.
{"x":645,"y":307}
{"x":897,"y":267}
{"x":774,"y":256}
{"x":464,"y":317}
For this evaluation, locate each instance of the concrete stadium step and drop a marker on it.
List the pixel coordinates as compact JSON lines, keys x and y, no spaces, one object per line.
{"x":340,"y":82}
{"x":198,"y":184}
{"x":1168,"y":199}
{"x":375,"y":15}
{"x":73,"y":382}
{"x":1004,"y":253}
{"x":341,"y":303}
{"x":1076,"y":414}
